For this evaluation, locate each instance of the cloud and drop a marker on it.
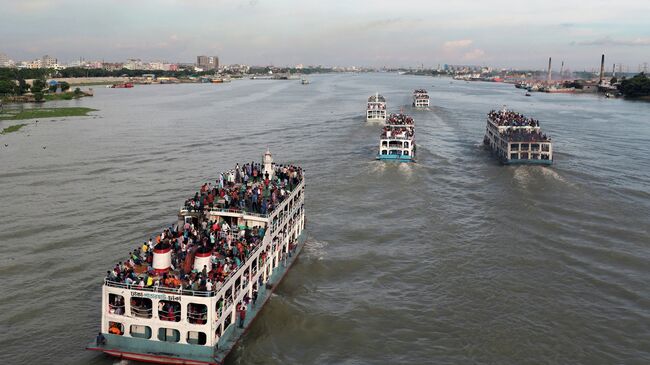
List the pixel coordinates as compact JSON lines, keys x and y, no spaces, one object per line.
{"x":461,"y":43}
{"x":476,"y":54}
{"x":608,"y":41}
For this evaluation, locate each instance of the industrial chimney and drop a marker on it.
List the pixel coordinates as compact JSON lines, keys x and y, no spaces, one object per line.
{"x":549,"y":71}
{"x":602,"y":69}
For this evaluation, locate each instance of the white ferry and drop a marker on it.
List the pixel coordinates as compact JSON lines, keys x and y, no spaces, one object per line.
{"x":420,"y":98}
{"x":516,"y":139}
{"x":376,"y":111}
{"x":397,"y":140}
{"x":188,"y":295}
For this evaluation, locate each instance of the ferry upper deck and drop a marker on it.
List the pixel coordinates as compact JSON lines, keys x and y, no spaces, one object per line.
{"x":218,"y":228}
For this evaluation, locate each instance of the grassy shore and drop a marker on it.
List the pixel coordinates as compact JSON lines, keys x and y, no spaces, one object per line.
{"x":12,"y":128}
{"x":45,"y":113}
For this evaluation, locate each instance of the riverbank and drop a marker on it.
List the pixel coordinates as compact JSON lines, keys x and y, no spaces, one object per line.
{"x":12,"y":128}
{"x":44,"y":113}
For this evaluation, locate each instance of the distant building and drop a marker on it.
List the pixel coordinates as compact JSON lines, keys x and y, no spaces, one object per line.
{"x":48,"y":61}
{"x":113,"y":66}
{"x":134,"y":64}
{"x":5,"y":61}
{"x":207,"y":63}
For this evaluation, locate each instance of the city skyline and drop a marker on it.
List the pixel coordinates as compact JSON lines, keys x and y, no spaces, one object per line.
{"x":379,"y":33}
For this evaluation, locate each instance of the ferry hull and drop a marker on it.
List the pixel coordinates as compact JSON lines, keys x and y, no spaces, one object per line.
{"x":527,"y":162}
{"x":395,"y":158}
{"x":156,"y":352}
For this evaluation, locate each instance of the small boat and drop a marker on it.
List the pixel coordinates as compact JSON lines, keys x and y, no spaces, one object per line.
{"x":304,"y":81}
{"x":125,"y":85}
{"x":527,"y":94}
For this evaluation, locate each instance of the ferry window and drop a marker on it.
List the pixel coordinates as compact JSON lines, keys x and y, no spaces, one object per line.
{"x":140,"y":331}
{"x":115,"y":304}
{"x":169,"y":311}
{"x":406,"y":153}
{"x":535,"y":156}
{"x":524,"y":156}
{"x":545,"y":147}
{"x":115,"y":328}
{"x":524,"y":146}
{"x":197,"y":313}
{"x":384,"y":152}
{"x":513,"y":156}
{"x":219,"y":307}
{"x":406,"y":145}
{"x":384,"y":143}
{"x":168,"y":335}
{"x":514,"y":146}
{"x":141,"y":307}
{"x":196,"y":338}
{"x":534,"y":146}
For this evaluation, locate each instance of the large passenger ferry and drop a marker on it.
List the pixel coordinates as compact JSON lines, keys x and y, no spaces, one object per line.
{"x":187,"y":295}
{"x":516,"y":139}
{"x":376,"y":111}
{"x":397,"y":140}
{"x":420,"y":98}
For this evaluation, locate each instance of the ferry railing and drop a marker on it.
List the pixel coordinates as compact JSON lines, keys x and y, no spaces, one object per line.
{"x":141,"y":312}
{"x":197,"y":318}
{"x":164,"y":316}
{"x":116,"y":309}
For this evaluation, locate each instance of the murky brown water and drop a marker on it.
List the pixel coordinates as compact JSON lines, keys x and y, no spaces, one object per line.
{"x":453,"y":260}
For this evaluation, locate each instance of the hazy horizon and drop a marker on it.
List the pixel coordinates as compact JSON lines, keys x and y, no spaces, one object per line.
{"x":363,"y":33}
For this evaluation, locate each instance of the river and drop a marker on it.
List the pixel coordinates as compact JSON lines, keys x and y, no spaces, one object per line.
{"x":453,"y":260}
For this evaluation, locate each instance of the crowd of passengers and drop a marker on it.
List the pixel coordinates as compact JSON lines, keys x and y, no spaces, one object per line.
{"x":420,"y":91}
{"x":229,"y":250}
{"x":241,"y":188}
{"x":247,"y":188}
{"x":401,"y":132}
{"x":375,"y":99}
{"x":376,"y":106}
{"x":399,"y":119}
{"x":514,"y":135}
{"x":511,"y":119}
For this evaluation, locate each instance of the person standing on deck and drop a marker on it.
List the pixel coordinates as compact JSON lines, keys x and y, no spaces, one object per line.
{"x":242,"y":315}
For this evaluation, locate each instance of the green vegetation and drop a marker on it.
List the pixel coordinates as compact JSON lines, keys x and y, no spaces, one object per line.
{"x":636,"y":87}
{"x":13,"y":128}
{"x":46,"y":113}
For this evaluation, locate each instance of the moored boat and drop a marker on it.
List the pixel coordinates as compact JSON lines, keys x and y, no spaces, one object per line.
{"x":125,"y":85}
{"x":376,"y":109}
{"x":187,"y":296}
{"x":516,"y":139}
{"x":397,"y":139}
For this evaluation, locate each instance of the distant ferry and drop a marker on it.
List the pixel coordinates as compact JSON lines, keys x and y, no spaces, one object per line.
{"x":376,"y":110}
{"x":304,"y":81}
{"x":183,"y":297}
{"x":420,"y":98}
{"x":516,"y":139}
{"x":397,"y":140}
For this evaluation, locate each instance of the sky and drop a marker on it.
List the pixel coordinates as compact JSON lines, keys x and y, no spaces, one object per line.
{"x":395,"y":33}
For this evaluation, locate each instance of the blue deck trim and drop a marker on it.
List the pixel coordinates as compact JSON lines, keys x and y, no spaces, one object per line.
{"x":396,"y":158}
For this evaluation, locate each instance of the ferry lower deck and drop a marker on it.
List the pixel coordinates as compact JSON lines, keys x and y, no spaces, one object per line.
{"x":159,"y":352}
